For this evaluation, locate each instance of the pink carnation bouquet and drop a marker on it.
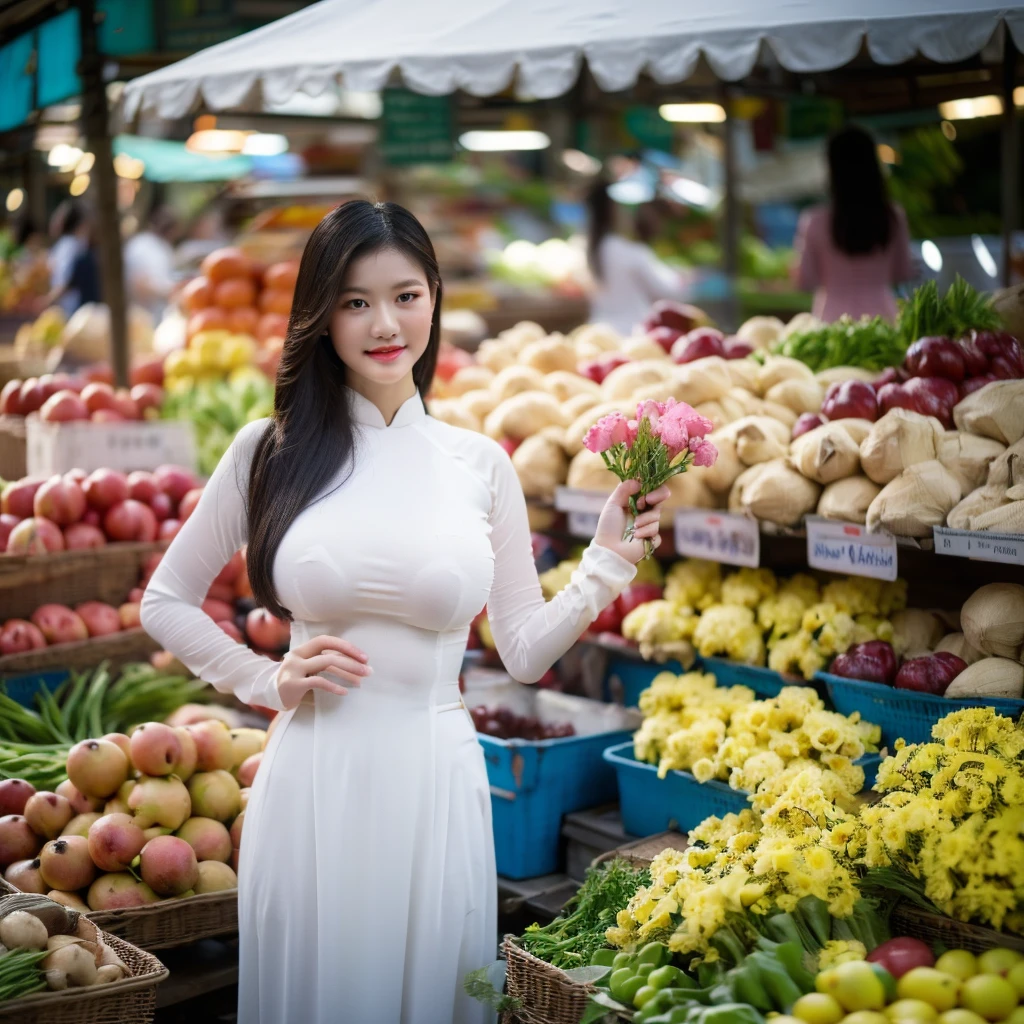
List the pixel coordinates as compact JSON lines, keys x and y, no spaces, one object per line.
{"x":665,"y":439}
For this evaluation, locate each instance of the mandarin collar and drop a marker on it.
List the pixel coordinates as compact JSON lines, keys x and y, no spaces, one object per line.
{"x":366,"y":413}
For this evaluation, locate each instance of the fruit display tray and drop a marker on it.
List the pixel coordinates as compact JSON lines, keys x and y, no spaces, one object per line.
{"x":170,"y":923}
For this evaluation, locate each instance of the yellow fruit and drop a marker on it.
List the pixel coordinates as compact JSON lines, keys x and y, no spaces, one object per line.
{"x":818,"y":1008}
{"x":782,"y":1018}
{"x":998,"y":961}
{"x":182,"y":363}
{"x":1015,"y":976}
{"x":989,"y":996}
{"x":932,"y":986}
{"x":238,"y":351}
{"x":961,"y":963}
{"x":865,"y":1017}
{"x":911,"y":1010}
{"x":958,"y":1015}
{"x":823,"y":980}
{"x":1016,"y":1017}
{"x":855,"y":986}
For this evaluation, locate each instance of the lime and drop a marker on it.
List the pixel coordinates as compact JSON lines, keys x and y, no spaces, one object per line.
{"x":1015,"y":976}
{"x":855,"y":986}
{"x":961,"y":963}
{"x":817,"y":1008}
{"x":998,"y":961}
{"x":930,"y":986}
{"x":989,"y":996}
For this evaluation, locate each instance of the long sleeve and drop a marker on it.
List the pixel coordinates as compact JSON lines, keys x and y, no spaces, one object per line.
{"x":531,"y":634}
{"x":171,"y":608}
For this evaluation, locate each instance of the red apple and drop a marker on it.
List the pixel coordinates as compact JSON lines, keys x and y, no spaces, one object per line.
{"x":162,"y":506}
{"x":637,"y":594}
{"x":174,"y":481}
{"x":98,"y":373}
{"x":19,"y":635}
{"x":18,"y":497}
{"x":147,"y":396}
{"x":142,"y":486}
{"x":7,"y":523}
{"x":31,"y":396}
{"x":129,"y":613}
{"x":232,"y":631}
{"x":63,"y":407}
{"x":188,"y":503}
{"x":698,"y":344}
{"x":99,"y":618}
{"x":126,"y":405}
{"x":130,"y":521}
{"x":147,"y":370}
{"x":168,"y":529}
{"x":266,"y":630}
{"x":98,"y":396}
{"x":78,"y":476}
{"x":35,"y":536}
{"x":81,"y":536}
{"x":60,"y":500}
{"x":59,"y":624}
{"x":93,"y":518}
{"x":10,"y":399}
{"x":105,"y":488}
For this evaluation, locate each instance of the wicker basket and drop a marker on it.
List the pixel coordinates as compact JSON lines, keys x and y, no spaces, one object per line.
{"x":117,"y":649}
{"x":13,"y":448}
{"x":131,"y":1000}
{"x":71,"y":577}
{"x":546,"y":995}
{"x":173,"y":922}
{"x":937,"y":930}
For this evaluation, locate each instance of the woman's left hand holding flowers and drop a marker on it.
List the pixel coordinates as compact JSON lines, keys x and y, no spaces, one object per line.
{"x":616,"y":516}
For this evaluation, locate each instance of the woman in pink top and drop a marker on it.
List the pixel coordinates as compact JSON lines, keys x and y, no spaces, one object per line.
{"x":852,"y":250}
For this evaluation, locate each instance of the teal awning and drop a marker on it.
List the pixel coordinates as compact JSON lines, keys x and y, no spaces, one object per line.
{"x":170,"y":161}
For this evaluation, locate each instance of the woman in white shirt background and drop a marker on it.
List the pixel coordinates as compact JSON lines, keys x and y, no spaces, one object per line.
{"x":628,"y":277}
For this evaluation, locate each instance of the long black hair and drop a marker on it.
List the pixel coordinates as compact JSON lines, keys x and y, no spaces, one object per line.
{"x":311,"y":436}
{"x":862,"y":217}
{"x":601,"y":208}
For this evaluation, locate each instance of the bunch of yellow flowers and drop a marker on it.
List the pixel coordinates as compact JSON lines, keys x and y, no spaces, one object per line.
{"x":692,"y":724}
{"x":751,"y":863}
{"x":952,"y":818}
{"x":749,"y":615}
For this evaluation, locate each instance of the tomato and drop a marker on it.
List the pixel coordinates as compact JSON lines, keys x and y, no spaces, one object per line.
{"x":222,"y":264}
{"x":235,"y":292}
{"x":282,"y":275}
{"x":275,"y":300}
{"x":271,"y":325}
{"x":196,"y":295}
{"x":243,"y":320}
{"x":637,"y":594}
{"x":210,"y":319}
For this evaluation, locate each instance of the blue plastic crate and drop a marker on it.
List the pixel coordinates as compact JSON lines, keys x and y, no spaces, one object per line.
{"x":24,"y":688}
{"x":763,"y":681}
{"x":904,"y":714}
{"x":631,"y":675}
{"x":650,"y":805}
{"x":533,"y":784}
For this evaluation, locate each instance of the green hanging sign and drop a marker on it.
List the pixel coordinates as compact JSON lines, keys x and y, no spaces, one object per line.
{"x":416,"y":129}
{"x":811,"y":117}
{"x":649,"y":129}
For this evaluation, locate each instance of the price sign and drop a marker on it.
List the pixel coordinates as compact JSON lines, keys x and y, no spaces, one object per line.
{"x":583,"y":509}
{"x":987,"y":547}
{"x":848,"y":548}
{"x":718,"y":537}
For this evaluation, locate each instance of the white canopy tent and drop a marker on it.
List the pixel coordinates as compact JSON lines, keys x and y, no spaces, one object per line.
{"x":483,"y":46}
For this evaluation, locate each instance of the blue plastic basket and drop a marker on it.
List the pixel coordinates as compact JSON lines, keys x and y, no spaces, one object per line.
{"x":23,"y":689}
{"x":533,"y":784}
{"x":763,"y":681}
{"x":631,"y":675}
{"x":904,"y":714}
{"x":650,"y":805}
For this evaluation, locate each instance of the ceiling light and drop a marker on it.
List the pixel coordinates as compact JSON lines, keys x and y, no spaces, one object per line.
{"x":14,"y":199}
{"x":265,"y":144}
{"x":79,"y":183}
{"x":580,"y":162}
{"x":983,"y":256}
{"x":64,"y":157}
{"x":693,"y":113}
{"x":503,"y":142}
{"x":214,"y":141}
{"x":974,"y":106}
{"x":931,"y":255}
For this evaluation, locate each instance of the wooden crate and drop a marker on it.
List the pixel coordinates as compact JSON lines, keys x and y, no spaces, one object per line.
{"x":117,"y":649}
{"x":171,"y":923}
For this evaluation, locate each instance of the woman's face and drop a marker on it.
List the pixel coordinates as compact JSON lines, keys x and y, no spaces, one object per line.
{"x":381,"y":324}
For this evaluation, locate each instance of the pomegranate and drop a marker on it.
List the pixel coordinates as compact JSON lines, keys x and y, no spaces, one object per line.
{"x":80,"y":824}
{"x":147,"y":396}
{"x":214,"y":751}
{"x":155,"y":748}
{"x":48,"y":813}
{"x":25,"y":875}
{"x":105,"y":488}
{"x":81,"y":536}
{"x":214,"y":795}
{"x":14,"y":794}
{"x":17,"y":840}
{"x":7,"y":523}
{"x":209,"y":838}
{"x":63,"y":407}
{"x":247,"y":769}
{"x":117,"y":891}
{"x":65,"y":863}
{"x":97,"y":396}
{"x":188,"y":503}
{"x":115,"y":841}
{"x":35,"y":536}
{"x":169,"y":866}
{"x":59,"y":624}
{"x":175,"y":481}
{"x":18,"y":497}
{"x":81,"y":803}
{"x":160,"y":801}
{"x":213,"y":876}
{"x":162,"y":506}
{"x":266,"y":630}
{"x":186,"y":765}
{"x":100,"y":619}
{"x":131,"y":615}
{"x":130,"y":521}
{"x":97,"y":767}
{"x":68,"y":899}
{"x":18,"y":636}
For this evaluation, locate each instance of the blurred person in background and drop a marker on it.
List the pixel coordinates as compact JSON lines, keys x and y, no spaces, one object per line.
{"x":627,"y":275}
{"x":149,"y":261}
{"x":852,"y":250}
{"x":205,"y":234}
{"x":66,"y":229}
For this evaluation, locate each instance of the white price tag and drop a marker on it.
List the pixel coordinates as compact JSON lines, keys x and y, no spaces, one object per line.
{"x":849,"y":548}
{"x":987,"y":547}
{"x":718,"y":537}
{"x":583,"y":508}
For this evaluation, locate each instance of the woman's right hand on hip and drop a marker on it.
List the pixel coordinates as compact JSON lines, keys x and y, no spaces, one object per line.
{"x":299,"y":669}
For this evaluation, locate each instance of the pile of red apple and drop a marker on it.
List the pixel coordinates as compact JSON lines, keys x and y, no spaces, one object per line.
{"x":58,"y":624}
{"x":62,"y":398}
{"x":87,"y":510}
{"x":150,"y":816}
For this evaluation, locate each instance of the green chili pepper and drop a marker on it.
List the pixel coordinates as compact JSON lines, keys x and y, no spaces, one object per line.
{"x":791,"y":956}
{"x":782,"y":990}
